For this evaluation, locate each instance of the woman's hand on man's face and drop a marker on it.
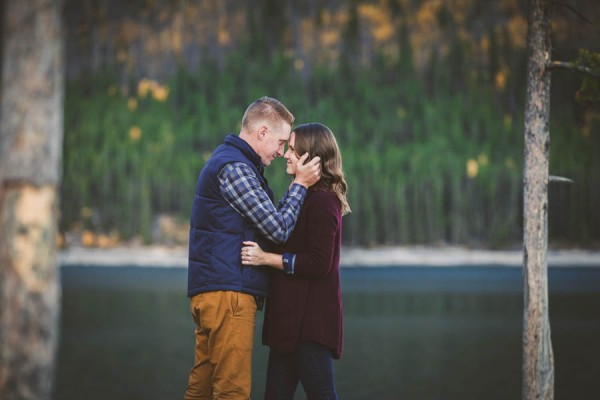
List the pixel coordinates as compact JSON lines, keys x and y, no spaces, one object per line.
{"x":307,"y":174}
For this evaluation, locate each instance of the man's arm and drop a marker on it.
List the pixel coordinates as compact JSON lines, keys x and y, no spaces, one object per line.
{"x":315,"y":261}
{"x":242,"y":190}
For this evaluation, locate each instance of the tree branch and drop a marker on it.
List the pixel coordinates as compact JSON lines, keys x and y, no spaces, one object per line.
{"x":554,"y":178}
{"x":560,"y":3}
{"x":573,"y":67}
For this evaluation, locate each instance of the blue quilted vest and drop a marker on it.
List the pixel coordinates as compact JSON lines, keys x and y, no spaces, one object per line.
{"x":217,"y":230}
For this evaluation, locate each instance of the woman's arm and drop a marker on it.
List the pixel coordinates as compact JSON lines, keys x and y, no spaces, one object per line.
{"x":252,"y":254}
{"x":324,"y":215}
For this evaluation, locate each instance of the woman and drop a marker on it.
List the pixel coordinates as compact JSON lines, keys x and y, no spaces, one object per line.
{"x":303,"y":318}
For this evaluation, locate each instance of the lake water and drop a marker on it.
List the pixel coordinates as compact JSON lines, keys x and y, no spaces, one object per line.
{"x":410,"y":333}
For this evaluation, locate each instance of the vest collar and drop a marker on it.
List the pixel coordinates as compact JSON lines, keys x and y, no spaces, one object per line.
{"x":244,"y":147}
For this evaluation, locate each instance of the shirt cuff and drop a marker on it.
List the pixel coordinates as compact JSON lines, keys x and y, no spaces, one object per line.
{"x":289,"y":259}
{"x":298,"y":191}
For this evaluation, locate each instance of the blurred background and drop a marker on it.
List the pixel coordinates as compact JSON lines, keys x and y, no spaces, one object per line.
{"x":426,"y":99}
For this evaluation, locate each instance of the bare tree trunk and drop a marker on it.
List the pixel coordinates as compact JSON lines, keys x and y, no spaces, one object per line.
{"x":538,"y":359}
{"x":30,"y":151}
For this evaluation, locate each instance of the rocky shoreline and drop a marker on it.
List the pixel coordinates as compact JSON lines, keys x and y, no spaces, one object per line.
{"x":176,"y":257}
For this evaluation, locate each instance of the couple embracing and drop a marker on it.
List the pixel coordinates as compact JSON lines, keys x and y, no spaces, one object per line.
{"x":243,"y":249}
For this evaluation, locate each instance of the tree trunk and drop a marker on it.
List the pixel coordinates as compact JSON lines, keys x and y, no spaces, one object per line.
{"x":538,"y":359}
{"x":30,"y":151}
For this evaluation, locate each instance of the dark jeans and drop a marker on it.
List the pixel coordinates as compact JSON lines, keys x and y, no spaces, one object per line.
{"x":311,"y":364}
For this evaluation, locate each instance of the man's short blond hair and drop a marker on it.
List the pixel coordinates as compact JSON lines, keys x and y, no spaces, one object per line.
{"x":266,"y":108}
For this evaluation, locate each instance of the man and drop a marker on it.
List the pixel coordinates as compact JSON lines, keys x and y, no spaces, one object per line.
{"x":233,"y":203}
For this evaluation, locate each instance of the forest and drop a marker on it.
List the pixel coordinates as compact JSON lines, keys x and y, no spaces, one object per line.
{"x":425,"y":98}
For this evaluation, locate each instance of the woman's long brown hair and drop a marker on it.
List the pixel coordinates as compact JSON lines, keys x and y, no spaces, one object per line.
{"x":317,"y":140}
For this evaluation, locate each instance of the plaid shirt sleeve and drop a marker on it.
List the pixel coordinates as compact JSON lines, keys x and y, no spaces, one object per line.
{"x":241,"y":189}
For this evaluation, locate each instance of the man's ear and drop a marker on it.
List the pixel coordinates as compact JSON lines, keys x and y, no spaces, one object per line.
{"x":262,"y":132}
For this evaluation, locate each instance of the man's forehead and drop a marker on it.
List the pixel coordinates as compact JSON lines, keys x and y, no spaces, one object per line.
{"x":284,"y":131}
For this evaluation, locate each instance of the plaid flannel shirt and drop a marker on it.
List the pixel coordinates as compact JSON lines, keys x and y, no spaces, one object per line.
{"x":241,"y":189}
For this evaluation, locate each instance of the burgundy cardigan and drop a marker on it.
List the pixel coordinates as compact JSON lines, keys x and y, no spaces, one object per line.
{"x":308,"y":304}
